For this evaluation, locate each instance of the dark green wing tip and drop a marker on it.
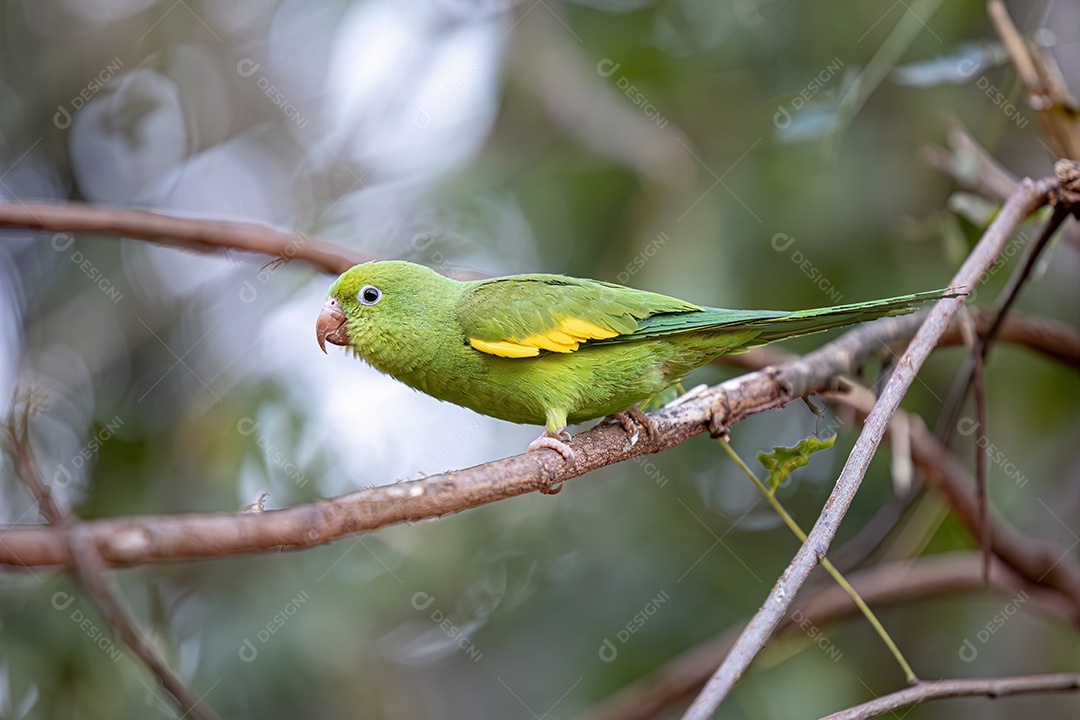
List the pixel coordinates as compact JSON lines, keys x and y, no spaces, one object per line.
{"x":805,"y":322}
{"x":886,"y":306}
{"x":943,"y":294}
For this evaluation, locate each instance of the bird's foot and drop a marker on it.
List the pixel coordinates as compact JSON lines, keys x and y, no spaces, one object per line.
{"x":557,"y":442}
{"x":631,"y":420}
{"x":718,"y":421}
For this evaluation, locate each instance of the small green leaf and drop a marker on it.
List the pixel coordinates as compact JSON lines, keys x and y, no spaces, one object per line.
{"x":782,"y":461}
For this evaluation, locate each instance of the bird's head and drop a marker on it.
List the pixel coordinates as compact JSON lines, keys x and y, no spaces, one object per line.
{"x":376,"y":299}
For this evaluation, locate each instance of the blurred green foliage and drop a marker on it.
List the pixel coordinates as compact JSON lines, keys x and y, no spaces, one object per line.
{"x":687,"y":147}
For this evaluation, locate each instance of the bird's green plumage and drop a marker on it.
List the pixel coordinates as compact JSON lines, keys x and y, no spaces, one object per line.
{"x":629,"y":344}
{"x":523,"y":305}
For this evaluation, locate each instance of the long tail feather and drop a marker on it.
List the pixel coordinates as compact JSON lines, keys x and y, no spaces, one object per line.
{"x":780,"y":325}
{"x":805,"y":322}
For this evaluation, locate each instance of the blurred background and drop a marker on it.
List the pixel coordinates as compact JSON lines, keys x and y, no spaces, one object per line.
{"x":751,"y":154}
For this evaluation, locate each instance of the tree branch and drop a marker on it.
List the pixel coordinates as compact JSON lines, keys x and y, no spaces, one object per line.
{"x":198,"y":233}
{"x":973,"y":687}
{"x":1028,"y":196}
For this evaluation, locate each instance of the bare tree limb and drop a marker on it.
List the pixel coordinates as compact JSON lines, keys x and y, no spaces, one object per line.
{"x":88,"y":568}
{"x":882,"y":585}
{"x":973,"y":687}
{"x":198,"y":233}
{"x":1028,"y":196}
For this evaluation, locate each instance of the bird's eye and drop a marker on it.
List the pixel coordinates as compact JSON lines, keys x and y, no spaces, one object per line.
{"x":369,"y":295}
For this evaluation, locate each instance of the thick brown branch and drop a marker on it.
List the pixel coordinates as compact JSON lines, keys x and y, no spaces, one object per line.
{"x":198,"y":233}
{"x":883,"y":585}
{"x":973,"y":687}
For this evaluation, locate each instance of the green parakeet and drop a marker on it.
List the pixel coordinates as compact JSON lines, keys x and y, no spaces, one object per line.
{"x":549,"y":349}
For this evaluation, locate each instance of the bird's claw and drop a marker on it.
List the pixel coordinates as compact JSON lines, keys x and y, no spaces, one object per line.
{"x":631,"y":420}
{"x":558,"y":443}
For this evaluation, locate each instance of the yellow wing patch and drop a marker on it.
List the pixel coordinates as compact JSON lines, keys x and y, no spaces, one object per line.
{"x":564,"y":338}
{"x":504,"y":349}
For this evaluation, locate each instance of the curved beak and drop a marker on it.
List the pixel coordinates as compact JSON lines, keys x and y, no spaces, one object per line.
{"x":330,"y":327}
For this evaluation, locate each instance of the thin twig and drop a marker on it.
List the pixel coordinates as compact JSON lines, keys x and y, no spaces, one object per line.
{"x":88,"y":569}
{"x":1028,"y":196}
{"x":973,"y":687}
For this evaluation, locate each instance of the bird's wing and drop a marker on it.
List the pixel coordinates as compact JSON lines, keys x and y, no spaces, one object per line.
{"x":523,"y":315}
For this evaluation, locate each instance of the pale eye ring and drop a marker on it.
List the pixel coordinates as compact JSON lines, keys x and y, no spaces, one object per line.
{"x":369,"y":295}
